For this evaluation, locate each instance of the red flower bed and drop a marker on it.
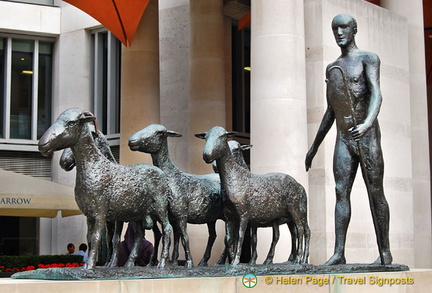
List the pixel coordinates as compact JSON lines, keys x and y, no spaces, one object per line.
{"x":41,"y":266}
{"x":32,"y":262}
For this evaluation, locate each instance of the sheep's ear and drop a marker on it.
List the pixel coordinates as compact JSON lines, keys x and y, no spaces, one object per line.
{"x":201,"y":135}
{"x":231,"y":134}
{"x":172,"y":133}
{"x":245,"y":147}
{"x":87,"y":117}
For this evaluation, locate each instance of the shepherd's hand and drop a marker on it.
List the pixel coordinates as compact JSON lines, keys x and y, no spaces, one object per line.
{"x":309,"y":157}
{"x":357,"y":132}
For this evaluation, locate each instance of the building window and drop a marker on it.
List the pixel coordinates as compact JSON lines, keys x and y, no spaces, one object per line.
{"x":106,"y":83}
{"x":241,"y":79}
{"x":241,"y":82}
{"x":19,"y":236}
{"x":25,"y":89}
{"x":38,"y":2}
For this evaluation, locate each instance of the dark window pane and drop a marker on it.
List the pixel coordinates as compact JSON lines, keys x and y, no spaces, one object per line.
{"x":44,"y":87}
{"x":104,"y":72}
{"x":2,"y":81}
{"x":21,"y":89}
{"x":18,"y":236}
{"x":241,"y":79}
{"x":115,"y":114}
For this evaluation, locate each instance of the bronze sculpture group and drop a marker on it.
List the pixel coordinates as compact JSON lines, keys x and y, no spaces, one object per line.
{"x":109,"y":194}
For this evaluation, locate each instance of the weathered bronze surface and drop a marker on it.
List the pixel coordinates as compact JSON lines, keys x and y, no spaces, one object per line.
{"x":113,"y":230}
{"x":196,"y":198}
{"x":259,"y":200}
{"x":106,"y":191}
{"x":353,"y":101}
{"x":67,"y":163}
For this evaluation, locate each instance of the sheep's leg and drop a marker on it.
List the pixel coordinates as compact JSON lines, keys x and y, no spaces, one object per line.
{"x":110,"y":227}
{"x":185,"y":242}
{"x":223,"y":257}
{"x":241,"y":232}
{"x":228,"y":242}
{"x":99,"y":224}
{"x":175,"y":253}
{"x":157,"y":237}
{"x":90,"y":229}
{"x":166,"y":234}
{"x":134,"y":251}
{"x":118,"y":227}
{"x":230,"y":230}
{"x":211,"y":226}
{"x":301,"y":231}
{"x":294,"y":238}
{"x":254,"y":242}
{"x":235,"y":230}
{"x":271,"y":253}
{"x":300,"y":221}
{"x":307,"y":240}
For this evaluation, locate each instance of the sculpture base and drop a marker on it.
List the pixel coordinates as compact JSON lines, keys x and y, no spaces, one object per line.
{"x":210,"y":271}
{"x":416,"y":280}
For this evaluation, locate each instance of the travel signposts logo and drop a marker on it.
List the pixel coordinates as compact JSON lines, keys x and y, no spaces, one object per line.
{"x":249,"y":280}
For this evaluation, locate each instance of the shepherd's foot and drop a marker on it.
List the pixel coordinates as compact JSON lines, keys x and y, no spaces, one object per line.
{"x":336,"y":259}
{"x":388,"y":259}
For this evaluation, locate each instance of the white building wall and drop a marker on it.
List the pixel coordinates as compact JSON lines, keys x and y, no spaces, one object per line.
{"x":29,"y":19}
{"x":413,"y":13}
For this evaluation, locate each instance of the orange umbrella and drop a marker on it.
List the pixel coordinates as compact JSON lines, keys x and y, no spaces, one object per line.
{"x":121,"y":17}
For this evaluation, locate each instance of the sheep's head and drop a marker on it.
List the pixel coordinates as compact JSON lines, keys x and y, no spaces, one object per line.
{"x":65,"y":131}
{"x":237,"y":150}
{"x":216,"y":143}
{"x":151,"y":139}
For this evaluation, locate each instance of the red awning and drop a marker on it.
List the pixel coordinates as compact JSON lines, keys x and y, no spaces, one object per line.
{"x":244,"y":22}
{"x":121,"y":17}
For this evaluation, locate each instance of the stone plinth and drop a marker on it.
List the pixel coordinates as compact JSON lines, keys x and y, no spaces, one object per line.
{"x":400,"y":281}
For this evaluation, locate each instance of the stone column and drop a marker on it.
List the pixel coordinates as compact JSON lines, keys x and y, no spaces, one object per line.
{"x":278,"y":88}
{"x":413,"y":12}
{"x":278,"y":95}
{"x":207,"y":90}
{"x":140,"y":83}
